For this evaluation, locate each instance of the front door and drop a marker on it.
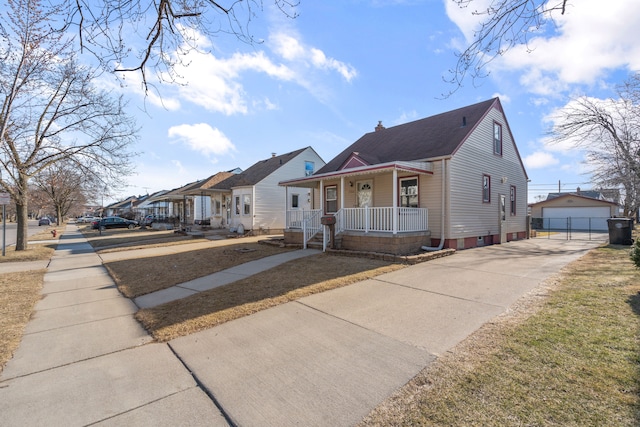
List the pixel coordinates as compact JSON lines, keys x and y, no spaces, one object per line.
{"x":503,"y":218}
{"x":365,"y":193}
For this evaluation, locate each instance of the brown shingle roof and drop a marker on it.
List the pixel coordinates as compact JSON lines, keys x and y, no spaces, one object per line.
{"x":427,"y":138}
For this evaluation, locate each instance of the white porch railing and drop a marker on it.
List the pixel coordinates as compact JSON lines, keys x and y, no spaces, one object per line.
{"x":362,"y":219}
{"x":308,"y":221}
{"x":382,"y":219}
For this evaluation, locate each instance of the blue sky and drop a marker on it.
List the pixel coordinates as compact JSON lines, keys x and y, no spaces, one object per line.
{"x":328,"y":76}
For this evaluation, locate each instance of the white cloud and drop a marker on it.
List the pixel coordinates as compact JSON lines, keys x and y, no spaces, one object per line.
{"x":289,"y":48}
{"x":202,"y":138}
{"x":215,"y":83}
{"x":581,"y":47}
{"x":539,"y":160}
{"x":178,"y":165}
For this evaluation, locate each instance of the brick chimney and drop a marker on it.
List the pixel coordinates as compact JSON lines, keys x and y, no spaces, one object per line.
{"x":379,"y":127}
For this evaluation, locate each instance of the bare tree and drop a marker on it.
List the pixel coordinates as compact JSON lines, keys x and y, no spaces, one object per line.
{"x":609,"y":130}
{"x":51,"y":110}
{"x":64,"y":187}
{"x":508,"y":23}
{"x":137,"y":35}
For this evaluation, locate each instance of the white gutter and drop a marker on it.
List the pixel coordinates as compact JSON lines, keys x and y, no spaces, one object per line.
{"x":441,"y":245}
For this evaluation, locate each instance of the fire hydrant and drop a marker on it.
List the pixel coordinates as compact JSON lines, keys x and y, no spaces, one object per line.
{"x":54,"y":232}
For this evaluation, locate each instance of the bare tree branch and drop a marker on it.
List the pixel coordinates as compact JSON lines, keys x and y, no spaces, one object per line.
{"x":508,"y":23}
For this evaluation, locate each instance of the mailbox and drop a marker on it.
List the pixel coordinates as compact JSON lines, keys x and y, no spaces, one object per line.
{"x":328,"y":220}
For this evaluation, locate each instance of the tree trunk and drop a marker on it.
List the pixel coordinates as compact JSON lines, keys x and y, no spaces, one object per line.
{"x":22,"y":218}
{"x":22,"y":226}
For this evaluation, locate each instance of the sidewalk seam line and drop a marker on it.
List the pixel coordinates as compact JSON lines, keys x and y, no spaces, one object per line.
{"x":206,"y":391}
{"x":77,"y":324}
{"x":436,"y":293}
{"x":138,"y":407}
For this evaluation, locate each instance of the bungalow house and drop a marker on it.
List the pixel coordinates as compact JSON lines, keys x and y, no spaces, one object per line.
{"x":210,"y":204}
{"x":152,"y":206}
{"x":453,"y":180}
{"x":254,"y":200}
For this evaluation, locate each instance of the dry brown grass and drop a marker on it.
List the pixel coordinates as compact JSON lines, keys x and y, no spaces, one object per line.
{"x":35,"y":252}
{"x":278,"y":285}
{"x":19,"y":292}
{"x":136,"y":277}
{"x":125,"y":239}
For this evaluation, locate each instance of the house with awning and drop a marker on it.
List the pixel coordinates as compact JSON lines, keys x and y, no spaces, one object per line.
{"x":453,"y":180}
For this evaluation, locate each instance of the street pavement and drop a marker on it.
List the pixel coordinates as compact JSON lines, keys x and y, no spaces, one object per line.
{"x":326,"y":359}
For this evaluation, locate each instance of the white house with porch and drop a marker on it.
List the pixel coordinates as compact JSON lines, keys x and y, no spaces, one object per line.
{"x":453,"y":180}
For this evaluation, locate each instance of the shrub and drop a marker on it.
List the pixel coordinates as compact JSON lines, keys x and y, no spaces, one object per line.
{"x":635,"y":253}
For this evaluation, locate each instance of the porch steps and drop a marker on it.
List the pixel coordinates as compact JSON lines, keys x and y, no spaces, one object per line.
{"x":316,"y":241}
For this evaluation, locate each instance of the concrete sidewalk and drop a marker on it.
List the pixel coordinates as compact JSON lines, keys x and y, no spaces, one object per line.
{"x":327,"y":359}
{"x":84,"y":359}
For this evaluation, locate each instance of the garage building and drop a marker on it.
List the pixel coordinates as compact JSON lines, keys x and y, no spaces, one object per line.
{"x":575,"y":211}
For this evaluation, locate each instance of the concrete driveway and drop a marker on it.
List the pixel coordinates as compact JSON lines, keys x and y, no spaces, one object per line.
{"x":327,"y":359}
{"x":330,"y":358}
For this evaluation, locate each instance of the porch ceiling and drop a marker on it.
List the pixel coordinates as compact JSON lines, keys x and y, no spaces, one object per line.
{"x":203,"y":192}
{"x":311,"y":181}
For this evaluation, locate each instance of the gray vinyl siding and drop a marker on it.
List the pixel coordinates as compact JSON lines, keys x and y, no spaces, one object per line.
{"x":469,"y":216}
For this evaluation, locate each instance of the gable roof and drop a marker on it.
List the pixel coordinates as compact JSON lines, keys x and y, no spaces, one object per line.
{"x":428,"y":138}
{"x":563,"y":196}
{"x":205,"y":184}
{"x":608,"y":194}
{"x":257,"y":172}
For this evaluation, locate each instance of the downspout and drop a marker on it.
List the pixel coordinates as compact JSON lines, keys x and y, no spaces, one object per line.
{"x":441,"y":245}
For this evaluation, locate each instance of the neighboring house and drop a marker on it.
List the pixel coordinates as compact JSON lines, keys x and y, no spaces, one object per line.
{"x":211,"y":205}
{"x":583,"y":210}
{"x":453,"y":180}
{"x":124,"y":207}
{"x":152,"y":206}
{"x":256,"y":201}
{"x":178,"y":208}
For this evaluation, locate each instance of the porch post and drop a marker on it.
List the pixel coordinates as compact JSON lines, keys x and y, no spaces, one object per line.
{"x":286,"y":207}
{"x":395,"y":201}
{"x":322,"y":196}
{"x":341,"y":192}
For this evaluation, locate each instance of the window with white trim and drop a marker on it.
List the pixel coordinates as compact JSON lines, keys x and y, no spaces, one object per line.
{"x":409,"y":192}
{"x":295,"y":200}
{"x":331,"y":199}
{"x":246,"y":204}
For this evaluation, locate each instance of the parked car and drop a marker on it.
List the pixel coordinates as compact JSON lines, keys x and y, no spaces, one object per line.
{"x":150,"y":219}
{"x":86,"y":219}
{"x":44,"y":221}
{"x":114,"y":222}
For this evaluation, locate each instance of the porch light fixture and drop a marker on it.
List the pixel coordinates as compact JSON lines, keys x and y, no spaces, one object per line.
{"x":350,"y":183}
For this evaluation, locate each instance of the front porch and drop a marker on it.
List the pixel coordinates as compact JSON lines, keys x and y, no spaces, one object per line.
{"x":393,"y":230}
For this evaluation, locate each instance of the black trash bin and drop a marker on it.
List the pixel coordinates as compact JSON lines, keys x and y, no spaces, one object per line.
{"x":620,"y":231}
